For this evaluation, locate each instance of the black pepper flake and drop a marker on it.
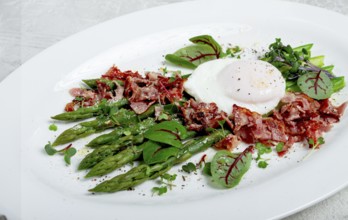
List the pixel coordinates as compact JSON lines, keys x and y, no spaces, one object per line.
{"x":249,"y":93}
{"x":238,"y":79}
{"x":238,"y":90}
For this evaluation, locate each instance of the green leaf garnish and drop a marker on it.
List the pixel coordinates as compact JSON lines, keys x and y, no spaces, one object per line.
{"x":279,"y":147}
{"x":314,"y":145}
{"x":321,"y":140}
{"x":68,"y":151}
{"x":159,"y":190}
{"x":53,"y":127}
{"x":49,"y":149}
{"x":166,"y":181}
{"x":169,"y":177}
{"x":163,"y":116}
{"x":233,"y":51}
{"x":189,"y":167}
{"x":262,"y":149}
{"x":205,"y":48}
{"x":167,"y":132}
{"x":316,"y":85}
{"x":262,"y":164}
{"x":154,"y":153}
{"x":68,"y":154}
{"x":79,"y":98}
{"x":228,"y":169}
{"x":207,"y":169}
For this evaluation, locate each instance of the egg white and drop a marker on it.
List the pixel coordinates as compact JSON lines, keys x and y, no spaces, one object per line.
{"x":253,"y":84}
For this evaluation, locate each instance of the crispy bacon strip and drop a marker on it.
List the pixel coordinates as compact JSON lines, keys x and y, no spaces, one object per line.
{"x":143,"y":92}
{"x":200,"y":116}
{"x":299,"y":118}
{"x":228,"y":143}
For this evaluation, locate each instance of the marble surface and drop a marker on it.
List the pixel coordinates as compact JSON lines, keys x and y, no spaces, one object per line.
{"x":29,"y":26}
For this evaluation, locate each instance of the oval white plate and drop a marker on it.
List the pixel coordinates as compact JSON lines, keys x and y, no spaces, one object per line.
{"x":36,"y":186}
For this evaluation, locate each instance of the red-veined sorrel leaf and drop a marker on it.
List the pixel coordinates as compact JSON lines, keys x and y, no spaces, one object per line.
{"x":316,"y":85}
{"x":205,"y":48}
{"x":167,"y":132}
{"x":227,"y":169}
{"x":155,"y":153}
{"x":208,"y":40}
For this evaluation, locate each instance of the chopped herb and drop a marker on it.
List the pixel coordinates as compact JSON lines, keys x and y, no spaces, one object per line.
{"x":314,"y":145}
{"x":262,"y":149}
{"x":188,"y":168}
{"x":164,"y":71}
{"x":79,"y":98}
{"x":53,"y":127}
{"x":68,"y":151}
{"x":49,"y":149}
{"x":321,"y":140}
{"x":165,"y":181}
{"x":159,"y":190}
{"x":262,"y":164}
{"x":280,"y":147}
{"x":169,"y":177}
{"x":68,"y":154}
{"x":127,"y":133}
{"x":207,"y":169}
{"x":221,"y":123}
{"x":163,"y":116}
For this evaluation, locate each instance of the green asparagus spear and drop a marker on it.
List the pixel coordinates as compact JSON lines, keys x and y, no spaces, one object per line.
{"x":89,"y":112}
{"x":113,"y":136}
{"x":145,"y":172}
{"x":122,"y":117}
{"x":128,"y":155}
{"x":105,"y":151}
{"x":111,"y":163}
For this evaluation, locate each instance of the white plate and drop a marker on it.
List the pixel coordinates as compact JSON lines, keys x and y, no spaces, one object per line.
{"x":36,"y":186}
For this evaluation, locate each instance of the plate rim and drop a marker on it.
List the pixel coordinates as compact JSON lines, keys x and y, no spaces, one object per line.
{"x":15,"y":74}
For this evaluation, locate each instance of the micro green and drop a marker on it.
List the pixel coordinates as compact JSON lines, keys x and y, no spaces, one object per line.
{"x":280,"y":147}
{"x":160,"y":190}
{"x":262,"y":164}
{"x":166,"y":181}
{"x":207,"y":169}
{"x":68,"y":152}
{"x":53,"y":127}
{"x":189,"y":167}
{"x":314,"y":144}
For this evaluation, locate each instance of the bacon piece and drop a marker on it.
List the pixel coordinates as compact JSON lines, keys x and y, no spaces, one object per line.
{"x":200,"y":116}
{"x":306,"y":118}
{"x":228,"y":143}
{"x":170,"y":90}
{"x":85,"y":93}
{"x":70,"y":107}
{"x":328,"y":111}
{"x":105,"y":92}
{"x":251,"y":127}
{"x":154,"y":87}
{"x":115,"y":73}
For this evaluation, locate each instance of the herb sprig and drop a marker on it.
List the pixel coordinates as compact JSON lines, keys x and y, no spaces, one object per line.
{"x":68,"y":152}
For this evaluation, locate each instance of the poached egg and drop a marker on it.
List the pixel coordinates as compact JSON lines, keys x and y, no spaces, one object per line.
{"x":253,"y":84}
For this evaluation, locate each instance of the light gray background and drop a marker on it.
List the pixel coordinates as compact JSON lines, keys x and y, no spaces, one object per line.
{"x":29,"y":26}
